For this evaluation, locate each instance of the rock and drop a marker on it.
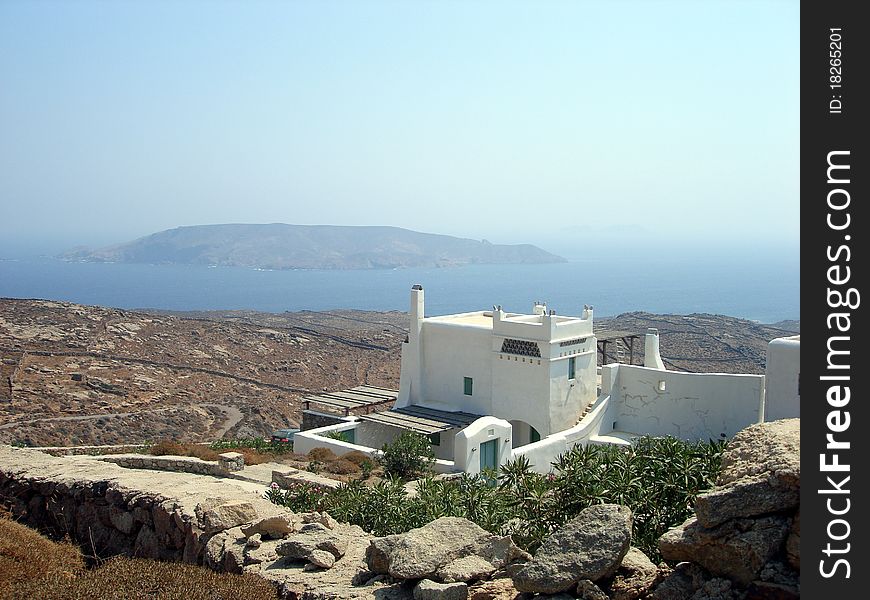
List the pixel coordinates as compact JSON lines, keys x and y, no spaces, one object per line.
{"x":320,"y":517}
{"x":747,"y":497}
{"x":431,"y":590}
{"x":214,"y":551}
{"x":146,"y":545}
{"x":302,"y":544}
{"x":590,"y":546}
{"x":793,"y":543}
{"x":122,"y":520}
{"x":322,"y":559}
{"x":234,"y":557}
{"x":275,"y":527}
{"x":586,"y":590}
{"x":635,"y":577}
{"x":217,"y":515}
{"x":467,"y":568}
{"x":254,"y":541}
{"x":265,"y":553}
{"x":761,"y":449}
{"x":717,"y":588}
{"x":422,"y":552}
{"x":765,"y":590}
{"x":760,"y":474}
{"x":737,"y":549}
{"x":780,"y":573}
{"x":496,"y":589}
{"x":681,"y":583}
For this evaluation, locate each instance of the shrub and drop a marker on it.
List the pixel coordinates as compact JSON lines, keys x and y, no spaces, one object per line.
{"x":322,"y":454}
{"x":658,"y":478}
{"x":342,"y":467}
{"x":357,"y":457}
{"x":409,"y":455}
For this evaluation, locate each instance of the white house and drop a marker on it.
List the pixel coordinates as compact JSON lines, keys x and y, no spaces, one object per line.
{"x":488,"y":386}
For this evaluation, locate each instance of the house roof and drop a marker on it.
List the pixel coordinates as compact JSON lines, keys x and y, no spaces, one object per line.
{"x":358,"y":397}
{"x":422,"y":419}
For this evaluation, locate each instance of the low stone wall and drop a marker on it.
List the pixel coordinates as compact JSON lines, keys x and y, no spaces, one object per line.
{"x":180,"y":464}
{"x":112,"y":510}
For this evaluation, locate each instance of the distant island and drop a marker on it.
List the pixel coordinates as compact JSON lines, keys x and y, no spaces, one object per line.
{"x":282,"y":246}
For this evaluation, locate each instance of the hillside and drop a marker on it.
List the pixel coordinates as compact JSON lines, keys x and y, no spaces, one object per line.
{"x":281,"y":246}
{"x":73,"y":374}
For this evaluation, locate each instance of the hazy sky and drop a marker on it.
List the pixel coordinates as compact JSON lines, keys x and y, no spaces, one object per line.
{"x":513,"y":122}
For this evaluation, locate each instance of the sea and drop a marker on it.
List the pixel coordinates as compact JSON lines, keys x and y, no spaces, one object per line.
{"x":762,"y":288}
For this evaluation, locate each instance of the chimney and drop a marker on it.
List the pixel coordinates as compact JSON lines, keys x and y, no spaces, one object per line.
{"x":416,"y":313}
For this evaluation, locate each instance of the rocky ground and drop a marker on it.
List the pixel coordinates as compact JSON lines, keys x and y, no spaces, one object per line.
{"x":742,"y":544}
{"x":77,"y":375}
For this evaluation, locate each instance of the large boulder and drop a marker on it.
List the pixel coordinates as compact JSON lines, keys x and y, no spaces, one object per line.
{"x":737,"y":549}
{"x":590,"y":546}
{"x":773,"y":447}
{"x":760,"y":474}
{"x":440,"y":550}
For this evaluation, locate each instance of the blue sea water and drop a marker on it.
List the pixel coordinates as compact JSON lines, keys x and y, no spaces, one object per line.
{"x":764,"y":289}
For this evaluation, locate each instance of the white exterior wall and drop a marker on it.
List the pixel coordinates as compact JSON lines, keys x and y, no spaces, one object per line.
{"x":467,"y":445}
{"x":692,"y":406}
{"x":375,"y":435}
{"x":449,"y":354}
{"x":782,"y":399}
{"x":568,"y":397}
{"x":542,"y":454}
{"x":521,"y":389}
{"x":305,"y":441}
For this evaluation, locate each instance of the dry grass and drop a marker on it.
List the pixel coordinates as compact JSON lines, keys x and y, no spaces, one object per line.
{"x":167,"y":447}
{"x":27,"y":557}
{"x":33,"y":567}
{"x":358,"y":458}
{"x":322,"y":454}
{"x":341,"y":466}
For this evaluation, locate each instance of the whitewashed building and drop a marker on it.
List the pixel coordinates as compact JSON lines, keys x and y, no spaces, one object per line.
{"x":488,"y":386}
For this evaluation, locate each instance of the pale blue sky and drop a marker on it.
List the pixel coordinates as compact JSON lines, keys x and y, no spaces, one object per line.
{"x":515,"y":122}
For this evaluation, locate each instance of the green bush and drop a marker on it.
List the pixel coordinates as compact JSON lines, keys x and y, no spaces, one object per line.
{"x":409,"y":455}
{"x":658,"y":478}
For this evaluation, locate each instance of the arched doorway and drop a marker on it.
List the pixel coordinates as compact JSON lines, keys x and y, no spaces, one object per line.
{"x":523,"y":434}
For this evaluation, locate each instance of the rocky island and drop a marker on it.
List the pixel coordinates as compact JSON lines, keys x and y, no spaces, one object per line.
{"x":282,"y":246}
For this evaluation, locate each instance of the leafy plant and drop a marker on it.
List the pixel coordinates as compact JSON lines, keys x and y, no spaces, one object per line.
{"x":658,"y":478}
{"x":409,"y":455}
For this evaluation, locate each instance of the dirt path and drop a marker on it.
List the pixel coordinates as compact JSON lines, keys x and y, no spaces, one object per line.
{"x":234,"y":417}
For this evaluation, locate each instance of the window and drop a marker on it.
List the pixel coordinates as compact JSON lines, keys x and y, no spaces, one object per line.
{"x":435,"y":439}
{"x":572,"y":367}
{"x":469,"y":384}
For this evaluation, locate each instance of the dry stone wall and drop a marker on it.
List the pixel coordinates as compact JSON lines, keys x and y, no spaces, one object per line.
{"x":180,"y":464}
{"x":110,"y":510}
